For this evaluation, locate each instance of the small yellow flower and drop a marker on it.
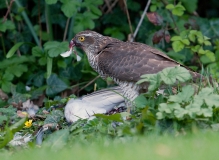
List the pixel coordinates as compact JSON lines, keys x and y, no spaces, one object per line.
{"x":28,"y":124}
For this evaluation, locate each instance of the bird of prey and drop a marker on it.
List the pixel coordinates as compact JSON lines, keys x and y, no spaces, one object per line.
{"x":124,"y":62}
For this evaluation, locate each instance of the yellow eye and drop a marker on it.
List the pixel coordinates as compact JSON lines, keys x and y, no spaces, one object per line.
{"x":82,"y":38}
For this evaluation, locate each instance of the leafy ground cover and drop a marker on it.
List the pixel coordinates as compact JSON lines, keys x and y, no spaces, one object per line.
{"x":36,"y":82}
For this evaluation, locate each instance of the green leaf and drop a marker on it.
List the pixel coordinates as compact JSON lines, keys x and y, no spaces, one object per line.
{"x":170,"y":6}
{"x":57,"y":140}
{"x":210,"y":55}
{"x":176,"y":38}
{"x":177,"y":46}
{"x":54,"y":117}
{"x":212,"y":101}
{"x":15,"y":48}
{"x":114,"y":117}
{"x":180,"y":113}
{"x":55,"y":85}
{"x":37,"y":51}
{"x":184,"y":96}
{"x":191,"y":5}
{"x":55,"y":48}
{"x":8,"y":137}
{"x":171,"y":74}
{"x":185,"y":41}
{"x":69,"y":8}
{"x":178,"y":10}
{"x":18,"y":125}
{"x":17,"y":70}
{"x":154,"y":80}
{"x":49,"y":66}
{"x":51,"y":1}
{"x":140,"y":101}
{"x":7,"y":25}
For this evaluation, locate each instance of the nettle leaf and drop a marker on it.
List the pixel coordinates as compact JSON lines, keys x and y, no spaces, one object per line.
{"x":55,"y":85}
{"x":184,"y":96}
{"x":171,"y":74}
{"x":178,"y":10}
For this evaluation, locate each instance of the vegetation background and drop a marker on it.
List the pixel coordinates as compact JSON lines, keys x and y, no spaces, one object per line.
{"x":33,"y":34}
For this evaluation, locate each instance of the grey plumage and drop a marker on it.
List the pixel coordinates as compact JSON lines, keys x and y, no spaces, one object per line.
{"x":98,"y":102}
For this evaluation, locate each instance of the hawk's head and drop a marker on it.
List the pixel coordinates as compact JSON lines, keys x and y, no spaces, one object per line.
{"x":89,"y":41}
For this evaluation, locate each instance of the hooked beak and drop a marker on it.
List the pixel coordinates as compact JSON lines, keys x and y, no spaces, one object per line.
{"x":71,"y":44}
{"x":68,"y":53}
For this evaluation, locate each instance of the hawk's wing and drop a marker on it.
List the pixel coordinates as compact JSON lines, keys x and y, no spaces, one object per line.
{"x":128,"y":61}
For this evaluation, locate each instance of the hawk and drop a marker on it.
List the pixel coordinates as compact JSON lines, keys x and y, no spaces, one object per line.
{"x":124,"y":62}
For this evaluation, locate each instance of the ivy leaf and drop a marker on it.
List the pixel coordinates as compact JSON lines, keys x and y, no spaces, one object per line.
{"x":171,"y":74}
{"x":184,"y":96}
{"x":55,"y":85}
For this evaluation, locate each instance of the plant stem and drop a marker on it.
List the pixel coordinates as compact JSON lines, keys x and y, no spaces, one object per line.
{"x":66,"y":29}
{"x":70,"y":30}
{"x":142,"y":17}
{"x":48,"y":22}
{"x":171,"y":15}
{"x":3,"y":44}
{"x":127,"y":13}
{"x":29,"y":24}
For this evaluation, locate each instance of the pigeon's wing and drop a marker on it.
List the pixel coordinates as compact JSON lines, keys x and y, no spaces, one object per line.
{"x":128,"y":61}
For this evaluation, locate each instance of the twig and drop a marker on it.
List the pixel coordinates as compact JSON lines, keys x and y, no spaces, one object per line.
{"x":127,"y":13}
{"x":110,"y":8}
{"x":140,"y":22}
{"x":171,"y":15}
{"x":8,"y":11}
{"x":66,"y":29}
{"x":89,"y":83}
